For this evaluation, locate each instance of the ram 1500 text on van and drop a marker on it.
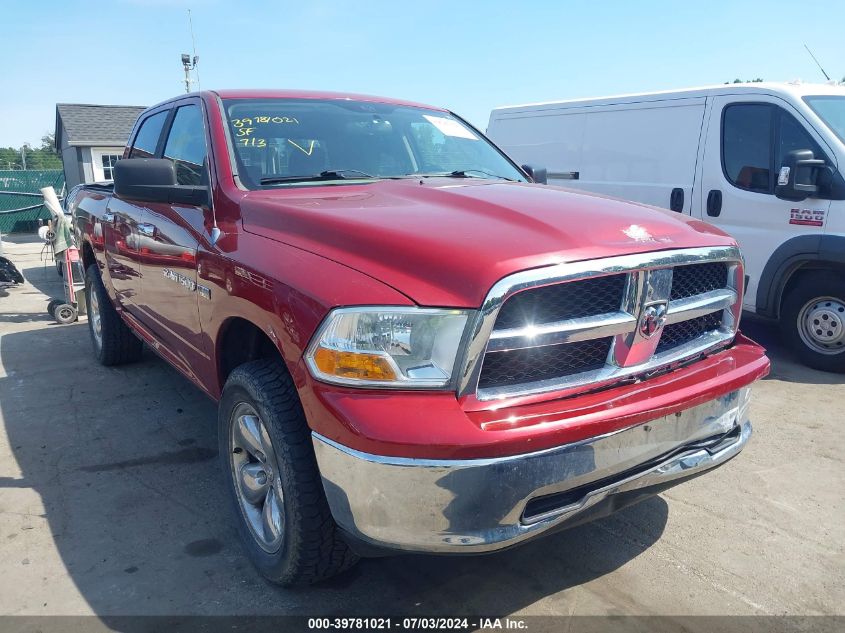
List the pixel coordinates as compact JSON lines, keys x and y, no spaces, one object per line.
{"x":414,"y":348}
{"x":763,"y":161}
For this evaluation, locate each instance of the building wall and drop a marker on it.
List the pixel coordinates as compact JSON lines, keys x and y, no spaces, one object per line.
{"x":70,"y":162}
{"x":85,"y":164}
{"x":78,"y":163}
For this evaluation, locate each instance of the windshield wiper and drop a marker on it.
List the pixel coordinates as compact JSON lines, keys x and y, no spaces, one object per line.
{"x":463,"y":173}
{"x":331,"y":174}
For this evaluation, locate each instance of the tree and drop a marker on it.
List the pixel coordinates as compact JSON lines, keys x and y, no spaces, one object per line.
{"x":36,"y":158}
{"x":43,"y":157}
{"x":48,"y":142}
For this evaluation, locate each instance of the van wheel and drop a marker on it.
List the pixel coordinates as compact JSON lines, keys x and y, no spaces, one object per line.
{"x":113,"y":341}
{"x":268,"y":461}
{"x":812,"y":320}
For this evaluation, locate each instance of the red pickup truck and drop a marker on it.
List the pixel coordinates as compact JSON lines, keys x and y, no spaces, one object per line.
{"x":415,"y":345}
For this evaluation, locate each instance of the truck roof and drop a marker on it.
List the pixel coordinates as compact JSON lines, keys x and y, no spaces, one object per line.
{"x":796,"y":88}
{"x":260,"y":93}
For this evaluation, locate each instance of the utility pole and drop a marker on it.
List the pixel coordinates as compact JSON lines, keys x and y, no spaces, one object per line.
{"x":188,"y":65}
{"x":23,"y":155}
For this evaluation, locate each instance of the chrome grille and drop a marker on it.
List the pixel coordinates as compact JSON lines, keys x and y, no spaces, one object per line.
{"x":696,"y":279}
{"x":572,"y":327}
{"x":548,"y":304}
{"x":685,"y":331}
{"x":532,"y":364}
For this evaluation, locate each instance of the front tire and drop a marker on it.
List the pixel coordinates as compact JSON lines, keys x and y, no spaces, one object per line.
{"x":812,"y":320}
{"x":268,"y":462}
{"x":113,"y":341}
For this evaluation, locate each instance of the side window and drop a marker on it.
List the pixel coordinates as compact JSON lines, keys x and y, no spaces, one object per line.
{"x":108,"y":162}
{"x":747,"y":146}
{"x":792,"y":136}
{"x":147,"y":138}
{"x":186,"y":146}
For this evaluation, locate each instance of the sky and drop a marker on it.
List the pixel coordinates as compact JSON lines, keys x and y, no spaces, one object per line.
{"x":467,"y":56}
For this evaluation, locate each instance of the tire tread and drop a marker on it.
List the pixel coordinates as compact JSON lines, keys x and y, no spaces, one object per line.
{"x":315,"y":551}
{"x":120,"y":345}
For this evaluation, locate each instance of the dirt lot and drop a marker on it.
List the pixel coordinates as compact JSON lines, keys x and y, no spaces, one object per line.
{"x":111,"y":503}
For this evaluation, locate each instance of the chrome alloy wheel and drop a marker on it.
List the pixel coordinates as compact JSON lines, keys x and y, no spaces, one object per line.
{"x":821,"y":325}
{"x":255,"y":472}
{"x":94,"y":316}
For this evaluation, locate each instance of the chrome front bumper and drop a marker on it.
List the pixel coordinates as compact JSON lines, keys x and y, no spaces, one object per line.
{"x":480,"y":505}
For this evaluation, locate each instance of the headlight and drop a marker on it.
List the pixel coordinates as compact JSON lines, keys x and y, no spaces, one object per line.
{"x":387,"y":347}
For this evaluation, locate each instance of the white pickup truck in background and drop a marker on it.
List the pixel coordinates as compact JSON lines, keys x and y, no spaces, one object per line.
{"x":762,"y":161}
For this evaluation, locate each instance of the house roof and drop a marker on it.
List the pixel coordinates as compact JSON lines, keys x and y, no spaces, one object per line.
{"x":90,"y":125}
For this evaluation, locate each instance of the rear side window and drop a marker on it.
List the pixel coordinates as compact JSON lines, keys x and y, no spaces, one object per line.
{"x":146,"y":140}
{"x":186,"y":146}
{"x":747,"y":146}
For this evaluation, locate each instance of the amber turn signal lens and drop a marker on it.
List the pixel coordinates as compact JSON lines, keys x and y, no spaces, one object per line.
{"x":353,"y":365}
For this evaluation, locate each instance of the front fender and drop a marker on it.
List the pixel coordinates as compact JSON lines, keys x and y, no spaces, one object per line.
{"x":283,"y":290}
{"x":788,"y":257}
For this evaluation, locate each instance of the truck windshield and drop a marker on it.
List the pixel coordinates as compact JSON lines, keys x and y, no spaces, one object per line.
{"x":284,"y":142}
{"x":831,"y":110}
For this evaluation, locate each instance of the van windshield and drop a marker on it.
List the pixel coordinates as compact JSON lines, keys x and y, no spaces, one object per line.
{"x":831,"y":110}
{"x":283,"y":142}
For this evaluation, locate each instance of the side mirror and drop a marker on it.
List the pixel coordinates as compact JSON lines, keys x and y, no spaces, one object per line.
{"x":797,"y":178}
{"x":537,"y":174}
{"x":154,"y":180}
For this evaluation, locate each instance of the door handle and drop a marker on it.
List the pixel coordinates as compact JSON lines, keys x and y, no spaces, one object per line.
{"x":714,"y":203}
{"x":108,"y":216}
{"x":148,"y":230}
{"x":676,"y":199}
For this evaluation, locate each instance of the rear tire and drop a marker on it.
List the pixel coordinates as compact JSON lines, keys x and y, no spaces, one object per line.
{"x":268,"y":462}
{"x":812,"y":320}
{"x":114,"y":343}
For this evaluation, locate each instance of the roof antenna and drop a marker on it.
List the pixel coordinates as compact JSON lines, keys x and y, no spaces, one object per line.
{"x":826,"y":76}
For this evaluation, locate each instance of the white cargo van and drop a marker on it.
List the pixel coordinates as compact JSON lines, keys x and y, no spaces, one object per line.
{"x":762,"y":161}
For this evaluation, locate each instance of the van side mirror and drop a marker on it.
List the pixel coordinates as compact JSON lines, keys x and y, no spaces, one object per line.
{"x":154,"y":180}
{"x":537,"y":174}
{"x":798,"y":176}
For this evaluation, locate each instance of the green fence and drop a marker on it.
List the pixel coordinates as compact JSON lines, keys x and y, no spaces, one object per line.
{"x":21,"y":204}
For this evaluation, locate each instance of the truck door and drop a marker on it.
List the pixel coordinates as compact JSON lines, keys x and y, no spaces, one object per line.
{"x":121,"y":219}
{"x":168,"y":239}
{"x":747,"y":139}
{"x":120,"y":237}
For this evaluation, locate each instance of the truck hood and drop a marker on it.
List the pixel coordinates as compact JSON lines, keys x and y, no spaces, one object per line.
{"x":445,"y":242}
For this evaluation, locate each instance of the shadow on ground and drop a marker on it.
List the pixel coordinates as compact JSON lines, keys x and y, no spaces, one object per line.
{"x":124,"y":460}
{"x":46,"y":285}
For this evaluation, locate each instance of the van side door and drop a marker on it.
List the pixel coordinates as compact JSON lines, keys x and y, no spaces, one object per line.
{"x":169,"y":238}
{"x":747,"y":138}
